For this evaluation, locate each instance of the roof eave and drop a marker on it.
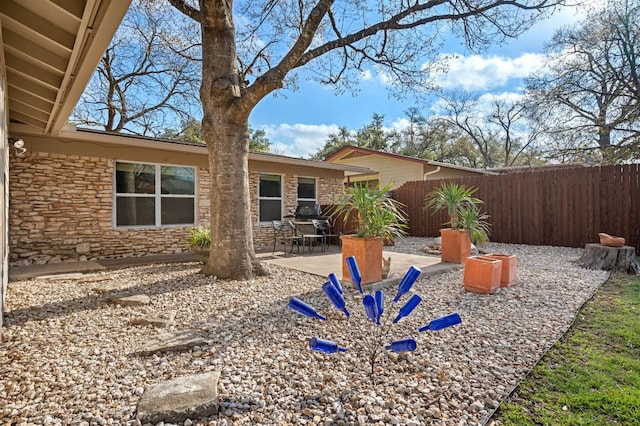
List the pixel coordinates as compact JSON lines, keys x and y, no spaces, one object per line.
{"x":98,"y":27}
{"x":70,"y":133}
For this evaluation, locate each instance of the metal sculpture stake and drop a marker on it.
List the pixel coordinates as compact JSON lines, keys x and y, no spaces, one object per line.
{"x":373,"y":305}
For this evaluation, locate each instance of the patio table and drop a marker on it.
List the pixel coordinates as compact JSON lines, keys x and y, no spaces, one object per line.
{"x":307,"y":231}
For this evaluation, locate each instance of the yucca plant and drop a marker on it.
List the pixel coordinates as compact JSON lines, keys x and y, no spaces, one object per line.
{"x":377,"y":215}
{"x":453,"y":198}
{"x":474,"y":220}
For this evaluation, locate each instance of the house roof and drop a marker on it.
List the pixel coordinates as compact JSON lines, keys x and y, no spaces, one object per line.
{"x":51,"y":49}
{"x":70,"y":133}
{"x":349,"y":149}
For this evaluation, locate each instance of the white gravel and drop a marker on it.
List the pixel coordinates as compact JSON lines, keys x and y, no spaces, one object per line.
{"x":66,"y":354}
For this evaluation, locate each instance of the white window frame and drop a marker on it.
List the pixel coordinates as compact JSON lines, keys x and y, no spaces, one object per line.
{"x":315,"y":185}
{"x":157,"y":196}
{"x":281,"y":198}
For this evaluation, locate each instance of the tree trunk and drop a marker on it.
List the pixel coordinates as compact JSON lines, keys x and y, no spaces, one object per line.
{"x":597,"y":256}
{"x":226,"y":133}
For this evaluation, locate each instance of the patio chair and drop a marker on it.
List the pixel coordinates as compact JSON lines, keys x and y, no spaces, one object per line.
{"x":323,"y":227}
{"x":284,"y":232}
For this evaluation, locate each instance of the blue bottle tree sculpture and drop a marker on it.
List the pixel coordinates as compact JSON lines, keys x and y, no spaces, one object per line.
{"x":378,"y":341}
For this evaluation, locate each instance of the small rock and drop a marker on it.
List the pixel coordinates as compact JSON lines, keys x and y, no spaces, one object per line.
{"x":434,"y":412}
{"x":110,"y":286}
{"x":168,"y":342}
{"x":135,"y":300}
{"x":477,"y":406}
{"x":161,"y":319}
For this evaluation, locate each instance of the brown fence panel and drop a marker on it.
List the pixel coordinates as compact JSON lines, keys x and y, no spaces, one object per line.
{"x":559,"y":207}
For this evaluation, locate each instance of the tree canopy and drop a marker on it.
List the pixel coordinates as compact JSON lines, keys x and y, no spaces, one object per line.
{"x":588,"y":97}
{"x":252,"y":48}
{"x":148,"y":78}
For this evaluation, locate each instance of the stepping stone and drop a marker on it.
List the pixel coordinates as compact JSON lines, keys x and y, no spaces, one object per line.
{"x":135,"y":300}
{"x":95,"y":279}
{"x":60,"y":277}
{"x":188,"y":397}
{"x":162,"y":319}
{"x":176,"y":341}
{"x":110,"y":286}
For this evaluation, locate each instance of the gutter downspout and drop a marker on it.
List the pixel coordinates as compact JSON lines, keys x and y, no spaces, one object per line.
{"x":436,"y":170}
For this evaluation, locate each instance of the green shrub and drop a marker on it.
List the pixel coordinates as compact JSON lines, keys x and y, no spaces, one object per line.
{"x":199,"y":237}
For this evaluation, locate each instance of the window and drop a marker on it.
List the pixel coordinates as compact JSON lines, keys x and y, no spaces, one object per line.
{"x":154,"y":195}
{"x":306,"y":192}
{"x":270,"y":198}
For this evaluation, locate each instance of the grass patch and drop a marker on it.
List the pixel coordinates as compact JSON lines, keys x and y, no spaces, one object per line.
{"x":592,"y":375}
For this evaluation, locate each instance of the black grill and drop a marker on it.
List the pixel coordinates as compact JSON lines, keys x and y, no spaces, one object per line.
{"x":305,"y":212}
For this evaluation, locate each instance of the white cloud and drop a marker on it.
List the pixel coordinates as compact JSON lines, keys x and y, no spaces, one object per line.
{"x":476,"y":72}
{"x":508,"y":97}
{"x":379,"y":75}
{"x":482,"y":106}
{"x":298,"y":140}
{"x":366,"y":75}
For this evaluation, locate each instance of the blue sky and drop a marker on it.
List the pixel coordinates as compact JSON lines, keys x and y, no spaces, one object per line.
{"x":298,"y":122}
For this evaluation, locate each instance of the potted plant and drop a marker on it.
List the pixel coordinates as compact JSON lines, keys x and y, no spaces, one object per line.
{"x":464,"y":216}
{"x":199,"y":241}
{"x":472,"y":219}
{"x":377,"y":218}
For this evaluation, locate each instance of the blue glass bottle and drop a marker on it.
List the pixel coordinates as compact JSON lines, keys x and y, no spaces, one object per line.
{"x":301,"y":307}
{"x":335,"y":297}
{"x":336,"y":282}
{"x":370,"y":307}
{"x":354,"y":271}
{"x":379,"y":304}
{"x":326,"y":346}
{"x":406,"y":345}
{"x":442,"y":322}
{"x":407,"y":282}
{"x":408,"y":307}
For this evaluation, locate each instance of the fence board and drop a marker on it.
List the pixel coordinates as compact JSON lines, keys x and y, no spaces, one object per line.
{"x":560,"y":207}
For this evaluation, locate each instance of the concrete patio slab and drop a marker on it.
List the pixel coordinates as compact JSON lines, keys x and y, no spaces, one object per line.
{"x":324,"y":263}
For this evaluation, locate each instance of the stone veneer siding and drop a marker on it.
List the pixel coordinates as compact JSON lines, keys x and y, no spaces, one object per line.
{"x":60,"y":209}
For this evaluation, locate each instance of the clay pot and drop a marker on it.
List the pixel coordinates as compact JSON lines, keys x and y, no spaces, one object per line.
{"x":508,"y":275}
{"x":368,"y":254}
{"x":610,"y":241}
{"x":482,"y":274}
{"x":455,"y":245}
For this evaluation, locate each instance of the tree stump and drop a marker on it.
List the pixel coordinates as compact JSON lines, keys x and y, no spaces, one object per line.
{"x":597,"y":256}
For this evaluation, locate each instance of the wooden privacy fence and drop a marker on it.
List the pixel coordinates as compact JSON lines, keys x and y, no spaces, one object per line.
{"x":557,"y":207}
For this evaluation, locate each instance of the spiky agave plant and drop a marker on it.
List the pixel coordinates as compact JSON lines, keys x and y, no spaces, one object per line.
{"x":377,"y":214}
{"x":452,"y":197}
{"x":474,"y":220}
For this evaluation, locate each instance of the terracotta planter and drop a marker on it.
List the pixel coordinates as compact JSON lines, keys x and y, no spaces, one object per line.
{"x":455,"y":245}
{"x":508,"y":275}
{"x":482,"y":274}
{"x":368,"y":254}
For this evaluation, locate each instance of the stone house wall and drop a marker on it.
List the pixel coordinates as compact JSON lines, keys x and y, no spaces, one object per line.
{"x":60,"y":209}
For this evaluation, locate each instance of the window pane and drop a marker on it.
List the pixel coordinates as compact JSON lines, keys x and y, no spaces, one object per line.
{"x":270,"y":210}
{"x":135,"y":211}
{"x":177,"y":180}
{"x":177,"y":211}
{"x":135,"y":178}
{"x":306,"y":188}
{"x":270,"y":186}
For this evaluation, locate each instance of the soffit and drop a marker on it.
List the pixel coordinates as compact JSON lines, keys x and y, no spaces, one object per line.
{"x":51,"y":49}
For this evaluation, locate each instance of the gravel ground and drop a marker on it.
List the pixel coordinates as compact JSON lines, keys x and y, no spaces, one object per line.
{"x":67,"y":354}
